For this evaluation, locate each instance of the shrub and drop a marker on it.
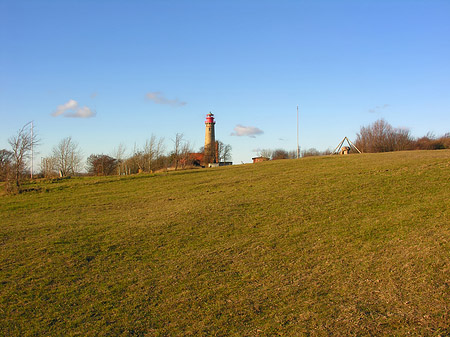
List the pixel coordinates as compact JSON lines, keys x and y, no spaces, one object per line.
{"x":382,"y":137}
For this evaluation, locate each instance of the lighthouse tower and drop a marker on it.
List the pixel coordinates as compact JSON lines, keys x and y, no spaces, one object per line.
{"x":210,"y":139}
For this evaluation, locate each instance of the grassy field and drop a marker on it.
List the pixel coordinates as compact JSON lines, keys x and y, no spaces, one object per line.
{"x":345,"y":245}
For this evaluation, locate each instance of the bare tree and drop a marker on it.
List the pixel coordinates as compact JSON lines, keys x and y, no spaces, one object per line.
{"x":48,"y":166}
{"x":153,"y":149}
{"x":119,"y":154}
{"x":310,"y":152}
{"x":380,"y":136}
{"x":137,"y":160}
{"x":292,"y":154}
{"x":5,"y":164}
{"x":101,"y":165}
{"x":224,"y":151}
{"x":21,"y":146}
{"x":401,"y":139}
{"x":149,"y":153}
{"x":267,"y":153}
{"x":67,"y":156}
{"x":147,"y":159}
{"x":159,"y":153}
{"x":280,"y":154}
{"x":185,"y":155}
{"x":177,"y":146}
{"x":130,"y":166}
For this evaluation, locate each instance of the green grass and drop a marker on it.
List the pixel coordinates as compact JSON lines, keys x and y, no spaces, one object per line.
{"x":345,"y":245}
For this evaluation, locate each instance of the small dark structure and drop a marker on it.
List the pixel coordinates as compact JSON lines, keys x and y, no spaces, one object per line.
{"x":222,"y":163}
{"x":259,"y":159}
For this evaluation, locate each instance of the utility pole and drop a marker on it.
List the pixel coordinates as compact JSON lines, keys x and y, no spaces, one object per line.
{"x":298,"y":147}
{"x":32,"y":142}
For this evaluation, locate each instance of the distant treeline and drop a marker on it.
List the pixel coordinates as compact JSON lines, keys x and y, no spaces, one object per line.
{"x":67,"y":158}
{"x":283,"y":154}
{"x":379,"y":136}
{"x":151,"y":157}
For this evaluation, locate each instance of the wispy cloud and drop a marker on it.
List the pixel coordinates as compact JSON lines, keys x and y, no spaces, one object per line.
{"x":250,"y":131}
{"x":158,"y":98}
{"x":378,"y":108}
{"x":73,"y":110}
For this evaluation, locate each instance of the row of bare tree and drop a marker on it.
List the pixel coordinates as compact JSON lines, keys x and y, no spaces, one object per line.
{"x":283,"y":154}
{"x":151,"y":157}
{"x":67,"y":158}
{"x":380,"y":136}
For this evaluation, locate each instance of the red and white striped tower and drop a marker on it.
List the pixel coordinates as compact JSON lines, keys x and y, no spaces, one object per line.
{"x":210,"y":139}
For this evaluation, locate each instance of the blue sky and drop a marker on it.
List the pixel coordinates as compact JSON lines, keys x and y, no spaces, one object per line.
{"x":129,"y":69}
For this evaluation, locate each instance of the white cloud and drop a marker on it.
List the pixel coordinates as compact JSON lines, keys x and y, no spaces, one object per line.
{"x":72,"y":109}
{"x":82,"y":112}
{"x":70,"y":105}
{"x":158,"y":98}
{"x":250,"y":131}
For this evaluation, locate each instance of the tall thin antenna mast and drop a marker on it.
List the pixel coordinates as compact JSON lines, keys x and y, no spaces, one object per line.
{"x":32,"y":141}
{"x":298,"y":148}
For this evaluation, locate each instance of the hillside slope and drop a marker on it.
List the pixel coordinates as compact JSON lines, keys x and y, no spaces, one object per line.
{"x":343,"y":245}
